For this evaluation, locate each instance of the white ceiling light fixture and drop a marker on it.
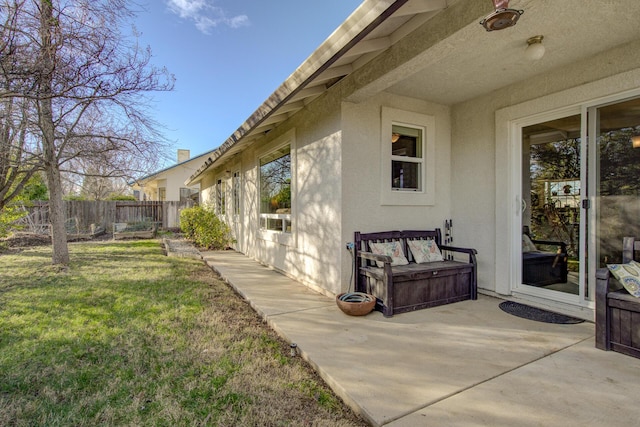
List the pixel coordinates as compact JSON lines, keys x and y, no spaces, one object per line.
{"x":535,"y":49}
{"x":502,"y":17}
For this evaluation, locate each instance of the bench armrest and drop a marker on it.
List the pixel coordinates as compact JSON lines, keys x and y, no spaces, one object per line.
{"x":563,"y":245}
{"x":374,"y":257}
{"x":388,"y":282}
{"x":471,"y":252}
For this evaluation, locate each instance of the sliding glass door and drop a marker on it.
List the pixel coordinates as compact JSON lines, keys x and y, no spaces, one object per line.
{"x":616,"y":162}
{"x":552,"y":191}
{"x":580,"y":196}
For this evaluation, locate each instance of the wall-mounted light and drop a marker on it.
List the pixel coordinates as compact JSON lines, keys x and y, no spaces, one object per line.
{"x":535,"y":48}
{"x":635,"y":141}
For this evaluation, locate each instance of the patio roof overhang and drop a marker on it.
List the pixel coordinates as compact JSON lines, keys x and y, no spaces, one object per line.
{"x":370,"y":29}
{"x":456,"y":59}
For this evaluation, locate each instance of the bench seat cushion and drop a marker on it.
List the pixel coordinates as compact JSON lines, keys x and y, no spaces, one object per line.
{"x":391,"y":249}
{"x":424,"y":251}
{"x":629,"y":275}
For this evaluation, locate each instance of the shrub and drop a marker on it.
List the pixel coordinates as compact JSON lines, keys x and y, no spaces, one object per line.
{"x":121,"y":197}
{"x":74,"y":197}
{"x":34,"y":189}
{"x":204,"y":228}
{"x":9,"y":215}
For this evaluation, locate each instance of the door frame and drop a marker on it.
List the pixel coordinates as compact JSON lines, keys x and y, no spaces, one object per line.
{"x":570,"y":304}
{"x":518,"y":289}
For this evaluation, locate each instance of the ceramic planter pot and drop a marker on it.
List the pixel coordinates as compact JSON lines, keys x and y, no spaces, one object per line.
{"x":356,"y":303}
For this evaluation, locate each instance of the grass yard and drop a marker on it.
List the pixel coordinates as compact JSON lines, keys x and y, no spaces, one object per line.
{"x":129,"y":337}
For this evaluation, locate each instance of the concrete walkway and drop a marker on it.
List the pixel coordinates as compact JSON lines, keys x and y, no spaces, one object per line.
{"x":463,"y":364}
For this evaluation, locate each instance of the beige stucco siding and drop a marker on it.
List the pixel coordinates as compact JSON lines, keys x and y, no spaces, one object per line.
{"x":338,"y":142}
{"x":311,"y":253}
{"x":362,"y":209}
{"x":482,"y":166}
{"x":171,"y":180}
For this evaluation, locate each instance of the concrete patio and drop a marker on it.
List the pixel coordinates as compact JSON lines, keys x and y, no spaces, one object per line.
{"x":463,"y":364}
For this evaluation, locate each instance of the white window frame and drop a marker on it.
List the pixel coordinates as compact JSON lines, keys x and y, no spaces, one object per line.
{"x":425,"y":195}
{"x":287,"y":238}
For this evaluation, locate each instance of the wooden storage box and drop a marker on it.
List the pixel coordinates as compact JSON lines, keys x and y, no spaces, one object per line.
{"x":404,"y":288}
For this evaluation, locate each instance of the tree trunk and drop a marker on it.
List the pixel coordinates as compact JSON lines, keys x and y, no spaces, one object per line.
{"x":47,"y":125}
{"x":56,"y":214}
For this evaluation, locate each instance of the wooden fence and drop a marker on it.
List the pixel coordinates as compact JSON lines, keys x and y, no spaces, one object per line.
{"x":105,"y":213}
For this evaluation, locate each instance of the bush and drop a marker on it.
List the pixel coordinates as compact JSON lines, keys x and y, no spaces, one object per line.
{"x":204,"y":228}
{"x":34,"y":189}
{"x":8,"y":217}
{"x":74,"y":197}
{"x":121,"y":197}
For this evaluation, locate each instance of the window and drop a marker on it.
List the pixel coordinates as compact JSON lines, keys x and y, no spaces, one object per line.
{"x":275,"y":190}
{"x":186,"y":193}
{"x":407,"y":161}
{"x":162,"y":194}
{"x":408,"y":158}
{"x":220,"y":197}
{"x":235,"y":192}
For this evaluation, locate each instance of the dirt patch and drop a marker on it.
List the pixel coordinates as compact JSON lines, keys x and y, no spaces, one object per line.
{"x":23,"y":240}
{"x":20,"y":240}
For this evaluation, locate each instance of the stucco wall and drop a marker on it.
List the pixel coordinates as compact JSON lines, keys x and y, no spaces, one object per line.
{"x":362,"y":209}
{"x":172,"y":180}
{"x":311,"y":254}
{"x":207,"y":192}
{"x":338,"y":171}
{"x":482,"y":166}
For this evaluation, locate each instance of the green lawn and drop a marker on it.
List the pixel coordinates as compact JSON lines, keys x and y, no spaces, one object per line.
{"x":128,"y":336}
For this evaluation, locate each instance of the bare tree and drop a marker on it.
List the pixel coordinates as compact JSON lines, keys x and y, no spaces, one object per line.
{"x":100,"y":181}
{"x":18,"y":162}
{"x":85,"y":86}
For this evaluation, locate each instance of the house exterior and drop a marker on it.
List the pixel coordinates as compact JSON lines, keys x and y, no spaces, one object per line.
{"x":167,"y":185}
{"x":411,"y":113}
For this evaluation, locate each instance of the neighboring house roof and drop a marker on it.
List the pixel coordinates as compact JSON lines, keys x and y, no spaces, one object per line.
{"x":157,"y":175}
{"x":456,"y":60}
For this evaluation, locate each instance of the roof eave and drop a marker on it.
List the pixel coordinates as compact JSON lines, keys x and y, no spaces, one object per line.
{"x":356,"y":27}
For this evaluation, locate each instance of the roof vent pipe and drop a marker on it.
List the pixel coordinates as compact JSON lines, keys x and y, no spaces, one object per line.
{"x":502,"y":17}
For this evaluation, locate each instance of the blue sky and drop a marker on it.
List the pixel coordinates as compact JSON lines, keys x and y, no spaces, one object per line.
{"x":228,"y":56}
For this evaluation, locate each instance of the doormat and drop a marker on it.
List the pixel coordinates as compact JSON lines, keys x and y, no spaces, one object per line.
{"x":537,"y":314}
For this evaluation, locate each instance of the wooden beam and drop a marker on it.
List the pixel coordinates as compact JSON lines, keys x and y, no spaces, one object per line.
{"x":291,"y":106}
{"x":334,"y":72}
{"x":276,"y":118}
{"x":367,"y":46}
{"x":305,"y":93}
{"x":415,"y":7}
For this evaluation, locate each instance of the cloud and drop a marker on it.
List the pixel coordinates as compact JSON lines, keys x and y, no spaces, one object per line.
{"x":205,"y":15}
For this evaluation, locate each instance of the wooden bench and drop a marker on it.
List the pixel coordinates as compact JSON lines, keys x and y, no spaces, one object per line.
{"x":414,"y":286}
{"x":617,"y":311}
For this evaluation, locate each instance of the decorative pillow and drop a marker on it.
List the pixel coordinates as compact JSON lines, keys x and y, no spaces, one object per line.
{"x":628,"y":275}
{"x":392,"y":249}
{"x":527,"y":244}
{"x":425,"y":251}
